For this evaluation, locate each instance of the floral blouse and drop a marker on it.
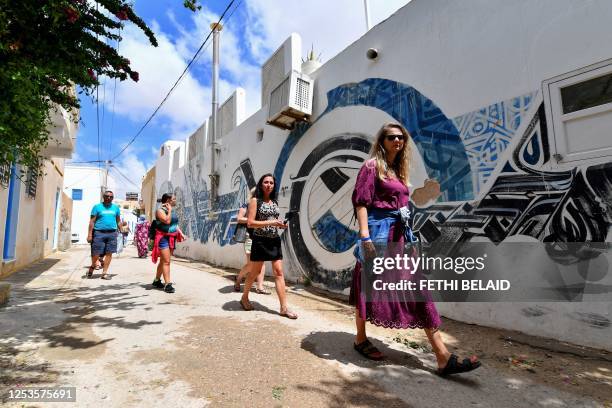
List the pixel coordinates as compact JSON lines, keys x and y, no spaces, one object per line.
{"x":265,"y":212}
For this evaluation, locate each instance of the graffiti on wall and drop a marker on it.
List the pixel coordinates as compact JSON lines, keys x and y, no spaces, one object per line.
{"x":487,"y":132}
{"x":200,"y":218}
{"x":485,"y":191}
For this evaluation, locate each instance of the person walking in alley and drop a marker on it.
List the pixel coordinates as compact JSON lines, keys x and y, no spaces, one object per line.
{"x":262,"y":217}
{"x":242,"y":219}
{"x":102,"y":235}
{"x":125,"y":231}
{"x":141,"y":236}
{"x":380,"y":199}
{"x":167,"y":233}
{"x":120,"y":241}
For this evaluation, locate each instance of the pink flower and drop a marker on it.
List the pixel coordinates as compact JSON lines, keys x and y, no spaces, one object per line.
{"x":122,"y":14}
{"x":71,"y":14}
{"x":135,"y":76}
{"x":91,"y":74}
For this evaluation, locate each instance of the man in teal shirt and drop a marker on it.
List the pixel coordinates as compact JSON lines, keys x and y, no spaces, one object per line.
{"x":105,"y":218}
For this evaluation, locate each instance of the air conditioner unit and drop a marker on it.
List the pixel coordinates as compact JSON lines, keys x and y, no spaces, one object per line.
{"x":291,"y":101}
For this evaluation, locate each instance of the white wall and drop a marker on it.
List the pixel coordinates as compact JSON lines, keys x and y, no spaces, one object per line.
{"x":464,"y":78}
{"x":165,"y":161}
{"x":90,"y":180}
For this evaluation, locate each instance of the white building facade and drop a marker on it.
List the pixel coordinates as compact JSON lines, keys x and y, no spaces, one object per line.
{"x":84,"y":185}
{"x":509,"y":106}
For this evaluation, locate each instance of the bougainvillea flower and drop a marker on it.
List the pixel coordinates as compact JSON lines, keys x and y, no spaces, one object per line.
{"x":71,"y":14}
{"x":122,"y":14}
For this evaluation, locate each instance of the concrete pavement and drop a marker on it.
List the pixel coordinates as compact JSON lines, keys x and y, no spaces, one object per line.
{"x":121,"y":343}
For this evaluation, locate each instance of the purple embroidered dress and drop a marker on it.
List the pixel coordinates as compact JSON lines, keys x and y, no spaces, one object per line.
{"x":398,"y":313}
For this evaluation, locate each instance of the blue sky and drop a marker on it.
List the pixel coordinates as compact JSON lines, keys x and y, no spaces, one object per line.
{"x":256,"y":28}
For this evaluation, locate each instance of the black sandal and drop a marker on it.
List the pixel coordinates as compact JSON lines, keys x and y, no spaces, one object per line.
{"x":236,"y":284}
{"x":263,"y":291}
{"x":454,"y":367}
{"x":90,"y":273}
{"x":368,"y":350}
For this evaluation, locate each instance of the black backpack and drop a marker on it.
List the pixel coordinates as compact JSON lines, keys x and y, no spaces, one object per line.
{"x":154,"y":225}
{"x":152,"y":229}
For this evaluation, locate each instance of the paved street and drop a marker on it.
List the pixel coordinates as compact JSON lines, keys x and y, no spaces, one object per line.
{"x":121,"y":343}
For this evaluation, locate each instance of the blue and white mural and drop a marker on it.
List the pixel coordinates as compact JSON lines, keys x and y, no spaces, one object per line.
{"x":487,"y":132}
{"x":462,"y":153}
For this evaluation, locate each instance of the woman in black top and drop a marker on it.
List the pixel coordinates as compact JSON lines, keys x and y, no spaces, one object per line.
{"x":262,"y":217}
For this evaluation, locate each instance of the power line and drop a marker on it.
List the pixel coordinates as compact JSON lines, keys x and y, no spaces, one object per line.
{"x":124,"y":177}
{"x":98,"y":105}
{"x":98,"y":122}
{"x":84,"y":162}
{"x":175,"y":84}
{"x":110,"y":144}
{"x":103,"y":114}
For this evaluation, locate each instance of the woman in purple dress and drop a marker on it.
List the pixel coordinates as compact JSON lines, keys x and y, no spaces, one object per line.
{"x":380,"y":199}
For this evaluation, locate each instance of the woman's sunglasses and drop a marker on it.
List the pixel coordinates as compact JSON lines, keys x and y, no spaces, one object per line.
{"x":391,"y":138}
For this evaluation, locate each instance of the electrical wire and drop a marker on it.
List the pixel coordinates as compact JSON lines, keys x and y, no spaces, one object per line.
{"x":110,"y":144}
{"x":98,"y":106}
{"x":124,"y":177}
{"x":142,"y":128}
{"x":84,"y":162}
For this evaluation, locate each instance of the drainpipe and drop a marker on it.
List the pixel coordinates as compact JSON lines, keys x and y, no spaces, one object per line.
{"x":366,"y":6}
{"x":214,"y":176}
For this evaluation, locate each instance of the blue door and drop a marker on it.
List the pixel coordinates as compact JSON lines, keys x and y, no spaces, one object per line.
{"x":12,"y":215}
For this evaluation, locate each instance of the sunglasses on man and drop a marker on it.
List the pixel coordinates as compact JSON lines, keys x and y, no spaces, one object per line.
{"x":391,"y":138}
{"x":108,"y":196}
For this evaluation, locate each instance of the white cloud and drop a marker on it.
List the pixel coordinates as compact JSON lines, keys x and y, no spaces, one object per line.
{"x":128,"y":167}
{"x":236,"y":70}
{"x":159,"y":68}
{"x":329,"y":26}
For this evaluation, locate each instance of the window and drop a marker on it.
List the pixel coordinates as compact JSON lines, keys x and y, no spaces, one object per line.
{"x":5,"y":175}
{"x":587,"y":94}
{"x":579,"y":113}
{"x":77,"y":194}
{"x":31,"y":182}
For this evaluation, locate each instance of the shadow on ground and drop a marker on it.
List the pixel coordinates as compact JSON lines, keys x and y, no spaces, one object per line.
{"x":235,"y":305}
{"x":55,"y":317}
{"x":338,"y":346}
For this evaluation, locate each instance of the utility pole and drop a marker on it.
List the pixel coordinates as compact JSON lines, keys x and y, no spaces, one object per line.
{"x":214,"y":176}
{"x":105,"y":186}
{"x":106,"y":164}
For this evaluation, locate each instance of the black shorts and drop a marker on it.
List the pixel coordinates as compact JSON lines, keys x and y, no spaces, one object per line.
{"x":266,"y":249}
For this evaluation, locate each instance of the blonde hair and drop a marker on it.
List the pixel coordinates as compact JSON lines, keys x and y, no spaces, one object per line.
{"x":401,"y":164}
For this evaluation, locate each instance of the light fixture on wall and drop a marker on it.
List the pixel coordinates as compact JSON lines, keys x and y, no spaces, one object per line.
{"x":372,"y":54}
